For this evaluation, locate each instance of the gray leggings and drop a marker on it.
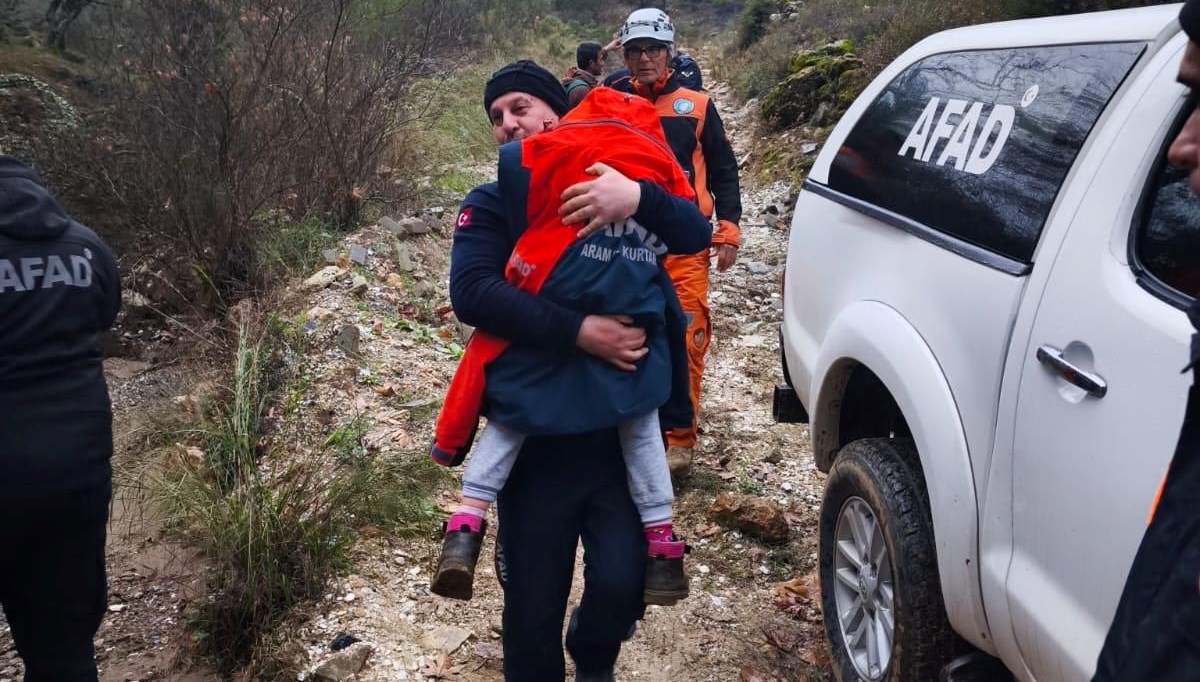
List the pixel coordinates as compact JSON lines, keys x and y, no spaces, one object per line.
{"x":642,"y":446}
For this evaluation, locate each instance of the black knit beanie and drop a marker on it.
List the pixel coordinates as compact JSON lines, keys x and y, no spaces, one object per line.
{"x":1189,"y":18}
{"x":526,"y":76}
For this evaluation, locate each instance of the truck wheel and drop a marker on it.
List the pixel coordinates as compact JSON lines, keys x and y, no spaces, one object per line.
{"x":884,"y":616}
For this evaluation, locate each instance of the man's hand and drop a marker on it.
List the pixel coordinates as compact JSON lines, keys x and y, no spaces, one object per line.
{"x":611,"y":338}
{"x":610,"y":198}
{"x":726,"y":255}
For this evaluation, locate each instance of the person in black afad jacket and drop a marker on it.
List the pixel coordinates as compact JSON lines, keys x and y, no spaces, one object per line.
{"x":58,"y":291}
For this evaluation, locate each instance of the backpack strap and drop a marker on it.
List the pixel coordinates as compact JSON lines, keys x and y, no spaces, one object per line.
{"x":573,"y":84}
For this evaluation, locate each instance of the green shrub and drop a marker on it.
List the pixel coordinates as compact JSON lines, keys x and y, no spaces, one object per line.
{"x":451,"y":126}
{"x":274,"y":519}
{"x":754,"y":21}
{"x":512,"y":21}
{"x":393,"y":493}
{"x":757,"y":70}
{"x":288,"y":246}
{"x":910,"y":22}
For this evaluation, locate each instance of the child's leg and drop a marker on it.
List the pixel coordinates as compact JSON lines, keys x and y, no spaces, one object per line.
{"x":650,"y":481}
{"x":485,"y":474}
{"x":650,"y":486}
{"x":646,"y":464}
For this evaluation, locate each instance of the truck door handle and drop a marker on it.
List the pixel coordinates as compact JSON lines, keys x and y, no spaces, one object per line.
{"x":1053,"y":358}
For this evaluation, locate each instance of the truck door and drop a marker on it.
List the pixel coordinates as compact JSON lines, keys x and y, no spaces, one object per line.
{"x":1101,"y":396}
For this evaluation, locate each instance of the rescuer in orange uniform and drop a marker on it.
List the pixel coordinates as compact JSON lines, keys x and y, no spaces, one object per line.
{"x":697,"y":136}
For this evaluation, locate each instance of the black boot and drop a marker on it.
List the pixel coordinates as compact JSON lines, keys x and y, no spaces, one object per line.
{"x":456,"y":566}
{"x":591,"y":675}
{"x":666,"y":583}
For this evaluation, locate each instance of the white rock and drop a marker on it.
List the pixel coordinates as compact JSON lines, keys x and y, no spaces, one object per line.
{"x":323,"y":277}
{"x":392,"y":226}
{"x":319,"y":313}
{"x":447,"y":639}
{"x":344,"y":664}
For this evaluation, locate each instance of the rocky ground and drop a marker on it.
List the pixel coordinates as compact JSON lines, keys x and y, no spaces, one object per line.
{"x":730,"y":621}
{"x":384,"y":344}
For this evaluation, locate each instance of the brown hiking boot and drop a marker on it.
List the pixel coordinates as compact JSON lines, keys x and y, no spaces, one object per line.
{"x":679,"y":460}
{"x":666,"y":583}
{"x":455,"y":574}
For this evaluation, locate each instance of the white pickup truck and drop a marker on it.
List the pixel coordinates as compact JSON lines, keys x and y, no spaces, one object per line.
{"x":984,"y":317}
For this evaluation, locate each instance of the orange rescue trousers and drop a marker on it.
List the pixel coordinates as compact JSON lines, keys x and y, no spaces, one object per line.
{"x":689,"y":274}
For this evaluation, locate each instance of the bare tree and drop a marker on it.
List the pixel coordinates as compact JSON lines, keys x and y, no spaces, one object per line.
{"x":235,"y":110}
{"x":59,"y":16}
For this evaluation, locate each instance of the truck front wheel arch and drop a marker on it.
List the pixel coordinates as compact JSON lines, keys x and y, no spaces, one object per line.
{"x":858,"y":406}
{"x":874,"y":377}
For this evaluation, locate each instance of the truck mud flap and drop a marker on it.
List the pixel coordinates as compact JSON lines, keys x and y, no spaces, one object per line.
{"x":786,"y":407}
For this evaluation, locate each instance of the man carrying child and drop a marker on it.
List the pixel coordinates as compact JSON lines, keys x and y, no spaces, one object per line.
{"x":568,"y":356}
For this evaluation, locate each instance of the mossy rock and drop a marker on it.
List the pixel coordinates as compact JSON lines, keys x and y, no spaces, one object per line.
{"x":850,"y":84}
{"x":826,"y":86}
{"x":820,"y":56}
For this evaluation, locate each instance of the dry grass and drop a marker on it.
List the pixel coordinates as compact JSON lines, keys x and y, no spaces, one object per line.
{"x":274,"y":513}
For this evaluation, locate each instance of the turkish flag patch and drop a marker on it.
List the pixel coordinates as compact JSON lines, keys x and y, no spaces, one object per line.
{"x":464,"y":218}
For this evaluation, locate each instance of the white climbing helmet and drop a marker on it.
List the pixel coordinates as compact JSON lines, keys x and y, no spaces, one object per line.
{"x":648,"y":23}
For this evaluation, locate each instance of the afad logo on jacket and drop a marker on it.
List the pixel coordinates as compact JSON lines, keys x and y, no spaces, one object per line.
{"x":28,"y":274}
{"x":973,"y":142}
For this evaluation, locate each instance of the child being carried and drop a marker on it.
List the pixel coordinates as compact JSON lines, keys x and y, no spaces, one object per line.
{"x":532,"y":392}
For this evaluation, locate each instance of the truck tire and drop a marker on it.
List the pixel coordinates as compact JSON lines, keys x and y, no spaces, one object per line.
{"x":880,"y":592}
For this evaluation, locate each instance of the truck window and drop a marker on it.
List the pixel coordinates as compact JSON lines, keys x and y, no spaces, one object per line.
{"x":1166,"y":241}
{"x":976,"y":145}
